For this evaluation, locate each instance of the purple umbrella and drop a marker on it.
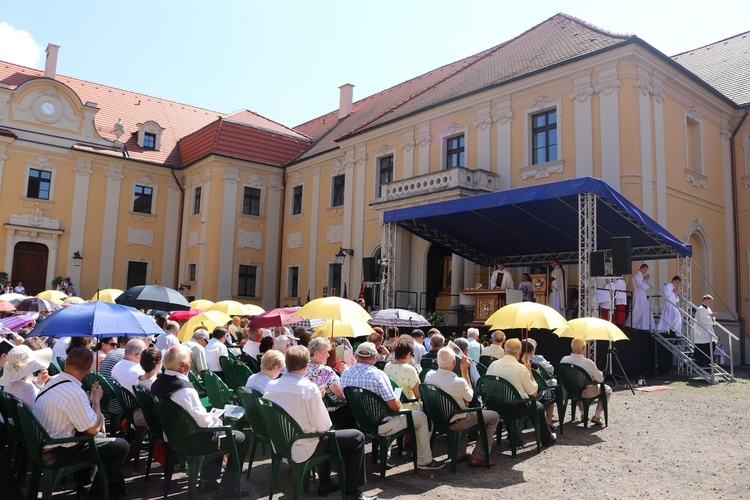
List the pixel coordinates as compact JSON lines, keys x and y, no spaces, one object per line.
{"x":15,"y":323}
{"x":37,"y":304}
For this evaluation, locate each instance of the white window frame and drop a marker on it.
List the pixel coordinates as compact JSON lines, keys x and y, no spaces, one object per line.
{"x":540,"y":170}
{"x":302,"y":204}
{"x":386,"y":152}
{"x":42,"y":163}
{"x":200,"y":205}
{"x":258,"y":279}
{"x":194,"y":265}
{"x":146,"y":182}
{"x":289,"y":268}
{"x":451,"y":131}
{"x":695,"y":170}
{"x":262,"y":200}
{"x":151,"y":127}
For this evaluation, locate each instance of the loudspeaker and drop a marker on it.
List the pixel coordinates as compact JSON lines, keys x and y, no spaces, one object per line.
{"x":369,"y":299}
{"x":621,"y":262}
{"x":370,"y":269}
{"x":596,"y":263}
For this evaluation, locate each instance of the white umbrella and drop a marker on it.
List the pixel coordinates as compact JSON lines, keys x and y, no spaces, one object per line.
{"x":401,"y":318}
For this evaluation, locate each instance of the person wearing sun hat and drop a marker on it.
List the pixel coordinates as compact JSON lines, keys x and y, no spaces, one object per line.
{"x":17,"y":377}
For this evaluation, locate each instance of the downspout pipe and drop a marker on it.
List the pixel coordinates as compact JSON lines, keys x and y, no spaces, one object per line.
{"x":736,"y":230}
{"x":179,"y":229}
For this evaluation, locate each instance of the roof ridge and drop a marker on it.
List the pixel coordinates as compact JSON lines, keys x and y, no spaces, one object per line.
{"x":228,"y":117}
{"x":577,"y":20}
{"x":140,"y":94}
{"x":268,"y":130}
{"x":711,"y":44}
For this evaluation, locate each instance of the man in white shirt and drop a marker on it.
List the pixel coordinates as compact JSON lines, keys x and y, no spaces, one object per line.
{"x":175,"y":385}
{"x":460,"y":389}
{"x":558,"y":289}
{"x":475,"y":348}
{"x":640,"y":316}
{"x":577,"y":358}
{"x":252,"y":346}
{"x":496,"y":348}
{"x":500,"y":278}
{"x":169,"y":337}
{"x":20,"y":288}
{"x":127,"y":370}
{"x":419,"y":349}
{"x":271,"y":365}
{"x":519,"y":374}
{"x":704,"y":332}
{"x":63,"y":409}
{"x":670,"y":320}
{"x":301,"y":398}
{"x":197,"y":345}
{"x":215,"y":349}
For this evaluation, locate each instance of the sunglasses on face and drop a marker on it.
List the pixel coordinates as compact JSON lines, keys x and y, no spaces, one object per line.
{"x":113,"y":344}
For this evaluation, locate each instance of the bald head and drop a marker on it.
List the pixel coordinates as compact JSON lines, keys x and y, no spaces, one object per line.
{"x":513,"y":347}
{"x":446,"y":358}
{"x":578,"y":346}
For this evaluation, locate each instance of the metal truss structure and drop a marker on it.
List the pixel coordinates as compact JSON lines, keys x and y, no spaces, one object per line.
{"x":586,"y":245}
{"x":387,"y":263}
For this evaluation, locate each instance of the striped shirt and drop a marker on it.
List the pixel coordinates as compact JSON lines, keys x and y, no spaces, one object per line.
{"x":368,"y":377}
{"x":63,"y":408}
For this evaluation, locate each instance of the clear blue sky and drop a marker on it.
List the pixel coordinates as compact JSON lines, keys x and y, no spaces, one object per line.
{"x":286,"y":59}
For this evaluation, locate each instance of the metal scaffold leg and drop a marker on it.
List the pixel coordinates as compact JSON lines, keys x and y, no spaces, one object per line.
{"x":387,"y":262}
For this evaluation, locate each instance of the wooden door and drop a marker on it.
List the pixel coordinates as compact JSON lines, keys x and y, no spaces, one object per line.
{"x":30,"y":266}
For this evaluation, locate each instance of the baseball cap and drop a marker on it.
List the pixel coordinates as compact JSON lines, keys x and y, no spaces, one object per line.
{"x":366,"y":350}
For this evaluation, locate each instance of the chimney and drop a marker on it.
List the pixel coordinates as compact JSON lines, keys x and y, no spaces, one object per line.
{"x":50,"y":66}
{"x":345,"y":100}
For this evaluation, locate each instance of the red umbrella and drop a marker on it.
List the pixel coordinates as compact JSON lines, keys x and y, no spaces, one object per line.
{"x":6,"y":306}
{"x":186,"y":315}
{"x":276,"y":317}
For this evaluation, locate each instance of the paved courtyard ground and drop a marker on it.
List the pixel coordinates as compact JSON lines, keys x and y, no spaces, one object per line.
{"x":689,"y":441}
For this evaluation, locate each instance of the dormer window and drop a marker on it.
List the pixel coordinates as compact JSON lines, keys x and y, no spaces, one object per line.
{"x":149,"y":141}
{"x":149,"y":135}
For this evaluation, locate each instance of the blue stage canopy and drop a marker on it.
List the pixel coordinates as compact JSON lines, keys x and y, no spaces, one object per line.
{"x":530,"y":225}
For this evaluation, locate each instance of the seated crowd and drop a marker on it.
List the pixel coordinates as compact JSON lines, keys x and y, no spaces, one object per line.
{"x":306,"y":376}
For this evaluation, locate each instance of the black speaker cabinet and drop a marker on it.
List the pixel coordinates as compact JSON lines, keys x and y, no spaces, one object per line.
{"x":369,"y":298}
{"x":370,"y":269}
{"x":621,"y":261}
{"x":596,"y":263}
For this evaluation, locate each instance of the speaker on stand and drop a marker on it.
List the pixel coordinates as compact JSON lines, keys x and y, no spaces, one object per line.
{"x":621,"y":259}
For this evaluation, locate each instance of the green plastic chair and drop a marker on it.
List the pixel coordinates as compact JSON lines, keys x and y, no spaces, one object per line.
{"x":156,"y":433}
{"x":251,"y":362}
{"x":37,"y":439}
{"x":428,"y":364}
{"x":249,"y":399}
{"x":236,"y":372}
{"x":440,"y":407}
{"x":283,"y":432}
{"x":129,"y":404}
{"x":192,"y":443}
{"x":109,"y":395}
{"x":380,"y":365}
{"x":541,"y":382}
{"x":501,"y":396}
{"x":219,"y":395}
{"x":487,"y":360}
{"x":53,"y":370}
{"x":14,"y":437}
{"x":200,"y":388}
{"x":369,"y":410}
{"x":481,"y":369}
{"x":61,"y":363}
{"x":423,"y":374}
{"x":574,"y":380}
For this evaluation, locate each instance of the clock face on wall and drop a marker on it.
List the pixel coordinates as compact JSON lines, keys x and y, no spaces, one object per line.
{"x":48,"y":108}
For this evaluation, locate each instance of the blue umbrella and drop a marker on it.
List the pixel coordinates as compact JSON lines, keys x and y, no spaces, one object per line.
{"x":96,"y":319}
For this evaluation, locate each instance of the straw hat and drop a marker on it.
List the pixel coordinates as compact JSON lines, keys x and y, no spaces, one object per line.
{"x":22,"y":362}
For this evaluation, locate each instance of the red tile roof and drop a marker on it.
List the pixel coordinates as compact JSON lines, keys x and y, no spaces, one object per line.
{"x":557,"y":40}
{"x":238,"y":140}
{"x":724,"y":65}
{"x":178,"y":120}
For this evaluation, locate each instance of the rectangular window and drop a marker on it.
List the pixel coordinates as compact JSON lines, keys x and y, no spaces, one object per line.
{"x":149,"y":141}
{"x":251,"y":201}
{"x":293,"y":286}
{"x":337,"y":198}
{"x":334,"y":279}
{"x":297,"y":200}
{"x":191,"y":272}
{"x":385,"y":167}
{"x":456,"y":152}
{"x":246,"y":281}
{"x":40,"y":182}
{"x":544,"y":137}
{"x":142,"y":198}
{"x":197,"y":201}
{"x":137,"y":273}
